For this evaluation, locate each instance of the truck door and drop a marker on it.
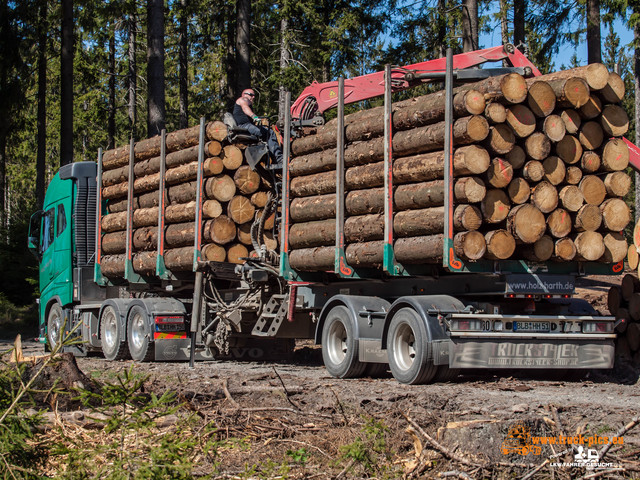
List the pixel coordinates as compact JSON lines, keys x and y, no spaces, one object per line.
{"x":55,"y":266}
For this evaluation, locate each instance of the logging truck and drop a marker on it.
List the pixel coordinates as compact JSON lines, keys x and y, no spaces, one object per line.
{"x":438,"y":233}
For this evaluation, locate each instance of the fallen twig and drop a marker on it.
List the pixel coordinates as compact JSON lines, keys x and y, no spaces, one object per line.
{"x":286,"y":392}
{"x":535,"y":470}
{"x":227,"y":394}
{"x":455,"y":473}
{"x":285,"y":409}
{"x":601,"y":473}
{"x":634,"y":422}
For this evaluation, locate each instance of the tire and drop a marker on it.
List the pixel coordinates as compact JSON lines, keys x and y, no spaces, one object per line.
{"x":112,"y":336}
{"x":376,"y":370}
{"x":446,"y":374}
{"x":55,"y":326}
{"x":408,"y":349}
{"x":141,"y":347}
{"x":339,"y":345}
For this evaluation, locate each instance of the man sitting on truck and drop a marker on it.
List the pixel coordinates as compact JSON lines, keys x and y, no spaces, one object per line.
{"x":245,"y":118}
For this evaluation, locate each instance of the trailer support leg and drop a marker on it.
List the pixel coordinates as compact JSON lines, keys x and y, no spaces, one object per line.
{"x":195,"y":316}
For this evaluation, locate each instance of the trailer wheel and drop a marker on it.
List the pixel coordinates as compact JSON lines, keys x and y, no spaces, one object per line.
{"x":139,"y":335}
{"x":112,"y":335}
{"x":408,"y":349}
{"x":339,"y":345}
{"x":55,"y":325}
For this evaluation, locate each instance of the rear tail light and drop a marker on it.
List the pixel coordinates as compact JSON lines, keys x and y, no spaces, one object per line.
{"x":597,"y":327}
{"x":471,"y":325}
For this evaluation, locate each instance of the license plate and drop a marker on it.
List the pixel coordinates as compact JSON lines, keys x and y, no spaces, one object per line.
{"x":531,"y":327}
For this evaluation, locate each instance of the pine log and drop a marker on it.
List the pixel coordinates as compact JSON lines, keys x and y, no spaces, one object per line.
{"x":519,"y":190}
{"x":508,"y":89}
{"x":538,"y":146}
{"x":616,"y":215}
{"x":554,"y":127}
{"x":540,"y":251}
{"x":615,"y":155}
{"x":618,"y":184}
{"x":240,"y":209}
{"x":213,"y":253}
{"x":465,"y":190}
{"x":613,"y":91}
{"x":223,"y":230}
{"x":516,"y":157}
{"x":632,"y":257}
{"x":243,"y":233}
{"x":247,"y":180}
{"x":500,"y":173}
{"x":571,"y":198}
{"x":634,"y":307}
{"x":541,"y":98}
{"x":312,"y":259}
{"x":592,"y":189}
{"x":495,"y":206}
{"x":592,"y":109}
{"x":259,"y":199}
{"x":591,"y":135}
{"x":636,"y":234}
{"x":614,"y":120}
{"x":501,"y":139}
{"x":588,"y":218}
{"x":521,"y":120}
{"x":559,"y":223}
{"x":533,"y":171}
{"x":236,"y":253}
{"x":614,"y":299}
{"x":554,"y":170}
{"x":526,"y":223}
{"x":150,"y":147}
{"x":232,"y":157}
{"x":500,"y":245}
{"x":628,"y":286}
{"x":570,"y":92}
{"x":564,"y":250}
{"x":573,"y":175}
{"x":467,"y":217}
{"x":569,"y":149}
{"x":594,"y":74}
{"x":469,"y":245}
{"x":217,"y":131}
{"x":572,"y":121}
{"x":544,"y":196}
{"x":270,"y":241}
{"x":495,"y":113}
{"x":590,"y":161}
{"x":220,"y":187}
{"x":589,"y":246}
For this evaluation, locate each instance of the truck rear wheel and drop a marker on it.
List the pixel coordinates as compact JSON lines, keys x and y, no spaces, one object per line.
{"x":408,"y":348}
{"x":55,"y":324}
{"x":139,"y":335}
{"x":112,"y":335}
{"x":339,"y":345}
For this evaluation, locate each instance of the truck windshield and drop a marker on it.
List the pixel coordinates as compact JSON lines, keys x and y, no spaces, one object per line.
{"x":48,"y":229}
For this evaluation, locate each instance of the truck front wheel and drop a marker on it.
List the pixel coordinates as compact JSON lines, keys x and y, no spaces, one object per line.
{"x":55,"y":324}
{"x":408,"y":348}
{"x":112,"y":335}
{"x":139,"y":335}
{"x":339,"y":345}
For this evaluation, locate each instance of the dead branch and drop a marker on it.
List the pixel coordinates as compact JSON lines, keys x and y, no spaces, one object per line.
{"x":227,"y":394}
{"x":455,"y":473}
{"x":286,"y":392}
{"x":536,"y":470}
{"x":634,"y":421}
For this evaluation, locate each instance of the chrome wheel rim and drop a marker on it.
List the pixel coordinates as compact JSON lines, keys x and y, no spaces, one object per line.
{"x":55,"y":325}
{"x":337,"y":343}
{"x":138,"y":333}
{"x":404,"y":352}
{"x":110,"y":329}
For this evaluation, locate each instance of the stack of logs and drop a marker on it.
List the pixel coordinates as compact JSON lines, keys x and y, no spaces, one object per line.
{"x":233,"y":195}
{"x":624,"y":303}
{"x":538,"y":166}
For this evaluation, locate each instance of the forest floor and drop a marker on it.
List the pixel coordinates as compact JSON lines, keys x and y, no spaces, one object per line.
{"x":293,"y":420}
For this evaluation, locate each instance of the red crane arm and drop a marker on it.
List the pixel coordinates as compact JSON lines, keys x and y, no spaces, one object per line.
{"x":372,"y":85}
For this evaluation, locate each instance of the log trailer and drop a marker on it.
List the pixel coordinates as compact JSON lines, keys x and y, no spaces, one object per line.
{"x":423,"y":322}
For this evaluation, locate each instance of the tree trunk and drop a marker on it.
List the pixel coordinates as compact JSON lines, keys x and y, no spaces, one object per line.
{"x":183,"y":61}
{"x":155,"y":68}
{"x":243,"y":42}
{"x":111,"y":106}
{"x":519,"y":13}
{"x":284,"y":59}
{"x":469,"y":25}
{"x":132,"y":75}
{"x":66,"y":83}
{"x":594,"y":42}
{"x":42,"y":106}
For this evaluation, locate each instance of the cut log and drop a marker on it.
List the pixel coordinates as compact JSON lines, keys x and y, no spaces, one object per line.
{"x":221,"y":188}
{"x":312,"y":259}
{"x":540,"y":251}
{"x":618,"y":184}
{"x":496,"y":113}
{"x":247,"y":181}
{"x":573,"y":175}
{"x":592,"y":109}
{"x":521,"y":120}
{"x":519,"y":190}
{"x":615,"y":155}
{"x":554,"y":170}
{"x":516,"y":157}
{"x":533,"y":171}
{"x":526,"y":223}
{"x":541,"y":98}
{"x":589,"y":246}
{"x":217,"y":131}
{"x":592,"y":189}
{"x":236,"y":253}
{"x":590,"y":162}
{"x":495,"y":206}
{"x":614,"y":120}
{"x":500,"y":173}
{"x":507,"y":89}
{"x":633,"y":257}
{"x":469,"y":245}
{"x":616,"y":215}
{"x":570,"y":92}
{"x":613,"y":91}
{"x":240,"y":209}
{"x":544,"y":196}
{"x":572,"y":121}
{"x":628,"y":286}
{"x":500,"y":245}
{"x":591,"y":135}
{"x":244,"y":234}
{"x":559,"y":223}
{"x":588,"y":218}
{"x":465,"y":189}
{"x":467,"y":217}
{"x":554,"y":128}
{"x":232,"y":157}
{"x":595,"y":75}
{"x":223,"y":230}
{"x":633,"y":335}
{"x":636,"y":234}
{"x":634,"y":307}
{"x":564,"y":250}
{"x":213,"y":253}
{"x":501,"y":139}
{"x":569,"y":149}
{"x":614,"y":299}
{"x":571,"y":198}
{"x":538,"y":146}
{"x":259,"y":199}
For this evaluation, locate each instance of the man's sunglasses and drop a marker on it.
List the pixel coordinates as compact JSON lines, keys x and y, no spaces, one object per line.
{"x":251,"y":94}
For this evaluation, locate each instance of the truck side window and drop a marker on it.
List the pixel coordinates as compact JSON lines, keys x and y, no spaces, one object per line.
{"x":62,"y":220}
{"x":48,"y":228}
